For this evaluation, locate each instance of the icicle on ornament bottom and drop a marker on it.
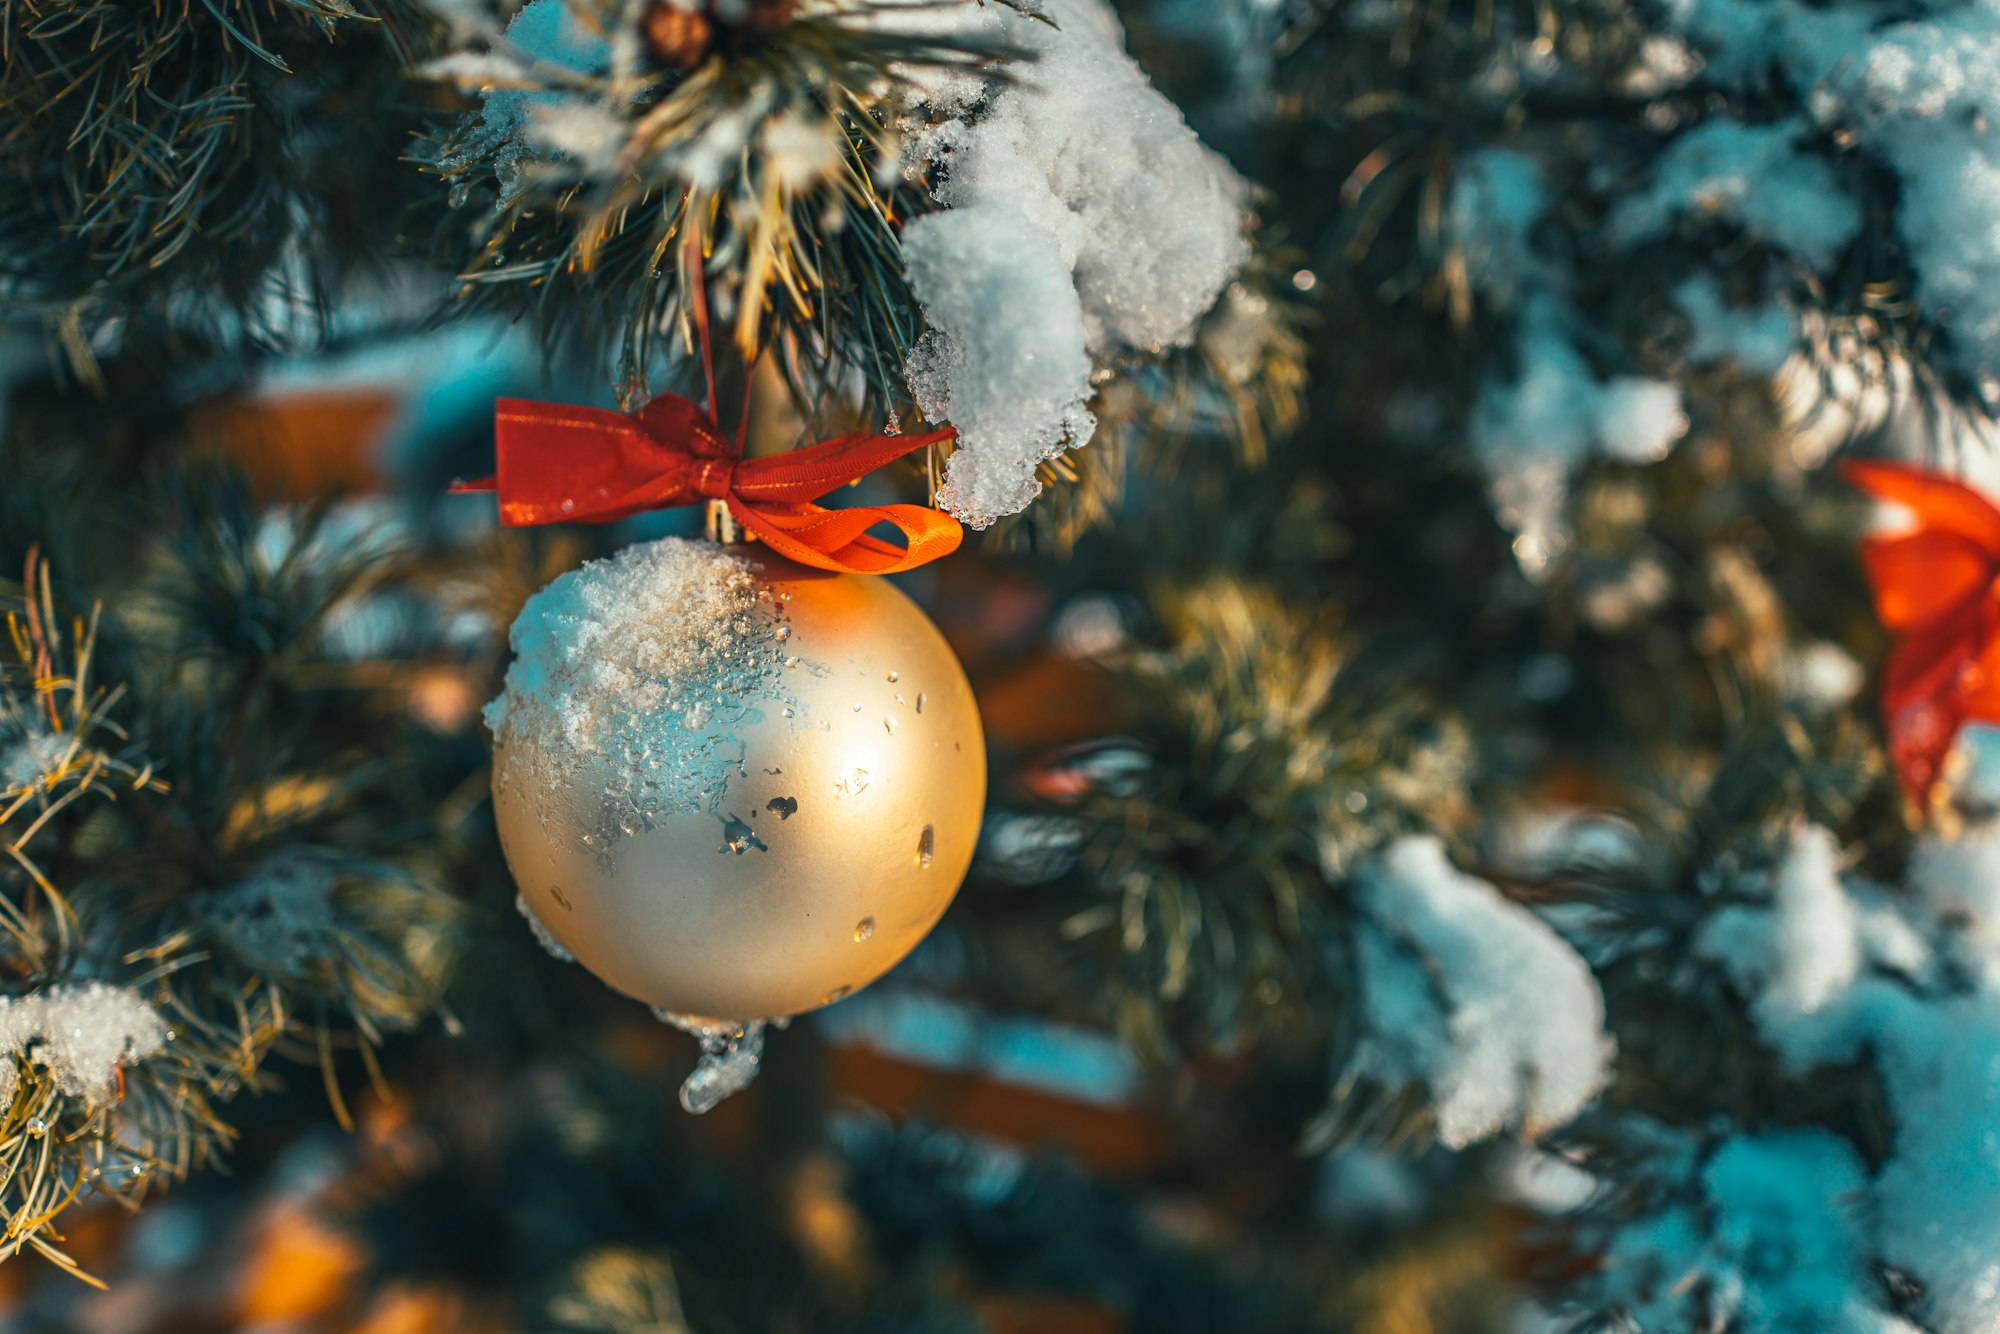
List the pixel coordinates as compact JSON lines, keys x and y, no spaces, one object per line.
{"x":732,"y":787}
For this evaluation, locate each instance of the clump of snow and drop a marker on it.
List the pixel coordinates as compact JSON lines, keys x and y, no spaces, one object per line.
{"x":1758,"y":339}
{"x":1757,"y":176}
{"x":1975,"y":767}
{"x":1082,"y":220}
{"x":1474,"y":997}
{"x":280,"y":916}
{"x":31,"y":758}
{"x":1918,"y":90}
{"x":1004,"y":360}
{"x":526,"y":105}
{"x":627,"y":673}
{"x":1958,"y":881}
{"x":1822,"y":675}
{"x":1834,"y":971}
{"x":1532,"y":432}
{"x":1795,"y":957}
{"x":82,"y":1032}
{"x":1938,"y":1196}
{"x":1768,"y":1236}
{"x":1497,"y":197}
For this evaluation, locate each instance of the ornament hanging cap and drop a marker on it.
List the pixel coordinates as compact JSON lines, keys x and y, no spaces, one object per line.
{"x":563,"y":464}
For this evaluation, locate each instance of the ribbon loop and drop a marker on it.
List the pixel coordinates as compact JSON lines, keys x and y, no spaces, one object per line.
{"x":560,"y":464}
{"x":1937,"y":591}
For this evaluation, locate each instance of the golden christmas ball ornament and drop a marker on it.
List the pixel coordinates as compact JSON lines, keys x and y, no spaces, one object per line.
{"x":735,"y":782}
{"x":733,"y":787}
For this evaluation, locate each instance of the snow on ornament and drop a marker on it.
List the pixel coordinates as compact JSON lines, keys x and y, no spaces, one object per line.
{"x":732,"y":785}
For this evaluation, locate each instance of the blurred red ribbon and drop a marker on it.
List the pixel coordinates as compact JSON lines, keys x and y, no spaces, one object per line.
{"x":563,"y":464}
{"x":1937,"y":590}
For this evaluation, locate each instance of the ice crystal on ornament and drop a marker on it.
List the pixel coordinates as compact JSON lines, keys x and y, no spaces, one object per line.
{"x":1052,"y":250}
{"x":81,"y":1032}
{"x":543,"y":938}
{"x":1473,"y":997}
{"x":628,"y":675}
{"x":731,"y":1054}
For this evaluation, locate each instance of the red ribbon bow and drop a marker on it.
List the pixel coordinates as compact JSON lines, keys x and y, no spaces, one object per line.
{"x":562,"y":464}
{"x":1937,"y":590}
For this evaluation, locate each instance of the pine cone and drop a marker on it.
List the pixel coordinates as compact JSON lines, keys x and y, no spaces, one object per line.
{"x":677,"y":38}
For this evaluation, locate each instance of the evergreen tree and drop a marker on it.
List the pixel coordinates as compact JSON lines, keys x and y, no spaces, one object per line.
{"x":1447,"y":864}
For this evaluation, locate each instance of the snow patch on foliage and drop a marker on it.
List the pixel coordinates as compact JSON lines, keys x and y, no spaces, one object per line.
{"x":1474,"y":997}
{"x":1082,"y":220}
{"x":82,"y":1032}
{"x":1834,"y":970}
{"x":1917,"y":89}
{"x":1758,"y":176}
{"x":1797,"y":955}
{"x":281,"y":916}
{"x":1759,"y":339}
{"x":525,"y":108}
{"x":1532,"y":431}
{"x":1496,"y":199}
{"x":1767,"y":1235}
{"x":31,"y":759}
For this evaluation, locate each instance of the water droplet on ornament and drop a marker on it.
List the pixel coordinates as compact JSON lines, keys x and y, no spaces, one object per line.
{"x":37,"y":1128}
{"x":889,"y":726}
{"x":788,"y":710}
{"x":791,"y":663}
{"x":786,"y":807}
{"x":864,"y":929}
{"x":893,"y":678}
{"x":857,"y":706}
{"x":568,"y":505}
{"x":784,"y":632}
{"x":926,"y":844}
